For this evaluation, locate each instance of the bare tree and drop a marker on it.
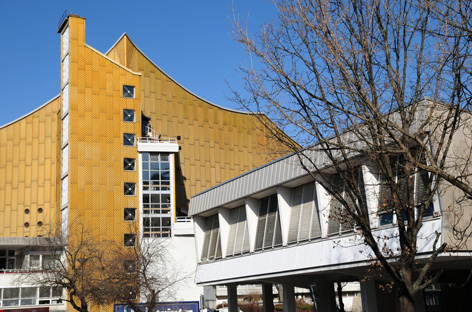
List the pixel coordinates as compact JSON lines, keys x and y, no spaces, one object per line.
{"x":97,"y":272}
{"x":142,"y":274}
{"x":76,"y":266}
{"x":382,"y":84}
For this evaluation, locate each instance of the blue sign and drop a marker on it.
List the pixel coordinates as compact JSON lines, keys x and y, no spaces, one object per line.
{"x":181,"y":306}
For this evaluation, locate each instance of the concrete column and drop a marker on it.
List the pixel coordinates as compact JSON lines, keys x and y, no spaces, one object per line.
{"x":289,"y":298}
{"x":325,"y":296}
{"x":369,"y":296}
{"x":199,"y":228}
{"x":232,"y":298}
{"x":267,"y":298}
{"x":372,"y":191}
{"x":323,"y":200}
{"x":283,"y":199}
{"x":252,"y":211}
{"x":223,"y":219}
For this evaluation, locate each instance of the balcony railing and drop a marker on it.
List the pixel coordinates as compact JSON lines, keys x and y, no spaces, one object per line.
{"x":184,"y":220}
{"x":156,"y":140}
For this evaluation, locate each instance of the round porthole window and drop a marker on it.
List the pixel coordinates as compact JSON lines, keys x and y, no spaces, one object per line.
{"x":40,"y":209}
{"x":26,"y":210}
{"x":26,"y":224}
{"x":40,"y":223}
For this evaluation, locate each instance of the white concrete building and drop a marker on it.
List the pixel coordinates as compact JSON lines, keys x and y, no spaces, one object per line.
{"x":272,"y":226}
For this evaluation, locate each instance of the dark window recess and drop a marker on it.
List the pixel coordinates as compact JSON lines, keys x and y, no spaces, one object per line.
{"x":130,"y":214}
{"x":130,"y":189}
{"x":130,"y":266}
{"x":128,"y":92}
{"x":130,"y":240}
{"x":129,"y":164}
{"x":129,"y":115}
{"x":128,"y":139}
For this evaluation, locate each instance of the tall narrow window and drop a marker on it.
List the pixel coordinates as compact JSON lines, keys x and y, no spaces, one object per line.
{"x":268,"y":233}
{"x":129,"y":115}
{"x":211,"y":244}
{"x":304,"y":218}
{"x":238,"y":242}
{"x":156,"y":195}
{"x":339,"y":218}
{"x":128,"y":92}
{"x":423,"y":185}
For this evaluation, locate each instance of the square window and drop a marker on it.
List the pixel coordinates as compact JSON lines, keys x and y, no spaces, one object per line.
{"x":129,"y":164}
{"x":51,"y":262}
{"x":130,"y":240}
{"x":130,"y":189}
{"x":129,"y":115}
{"x":44,"y":292}
{"x":130,"y":266}
{"x":57,"y":291}
{"x":128,"y":92}
{"x":130,"y":214}
{"x":130,"y":293}
{"x":385,"y":219}
{"x":128,"y":139}
{"x":34,"y":262}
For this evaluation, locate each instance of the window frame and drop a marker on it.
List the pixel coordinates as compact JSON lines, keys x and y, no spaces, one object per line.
{"x":129,"y":186}
{"x":429,"y":213}
{"x":129,"y":212}
{"x":129,"y":240}
{"x":129,"y":92}
{"x":132,"y":113}
{"x":129,"y":139}
{"x":128,"y":162}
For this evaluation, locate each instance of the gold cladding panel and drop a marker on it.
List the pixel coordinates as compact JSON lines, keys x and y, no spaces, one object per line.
{"x":96,"y":197}
{"x":28,"y":173}
{"x":217,"y":144}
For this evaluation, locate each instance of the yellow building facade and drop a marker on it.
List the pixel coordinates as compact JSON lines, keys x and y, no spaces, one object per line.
{"x":123,"y":145}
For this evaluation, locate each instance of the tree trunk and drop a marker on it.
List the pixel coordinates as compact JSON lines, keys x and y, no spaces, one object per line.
{"x":340,"y":297}
{"x":406,"y":305}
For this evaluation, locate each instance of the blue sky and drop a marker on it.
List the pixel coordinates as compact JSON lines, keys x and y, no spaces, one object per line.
{"x":190,"y":40}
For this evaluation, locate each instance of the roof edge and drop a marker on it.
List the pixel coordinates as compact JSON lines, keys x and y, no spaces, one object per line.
{"x":173,"y":80}
{"x":243,"y":174}
{"x":32,"y":112}
{"x":113,"y":61}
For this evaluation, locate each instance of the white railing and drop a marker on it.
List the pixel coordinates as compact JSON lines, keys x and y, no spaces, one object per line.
{"x":184,"y":219}
{"x":157,"y":139}
{"x":27,"y":270}
{"x":153,"y":137}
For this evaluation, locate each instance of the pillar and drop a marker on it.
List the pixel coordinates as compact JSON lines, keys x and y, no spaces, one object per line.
{"x":232,"y":298}
{"x":323,"y":291}
{"x":267,"y":298}
{"x":369,"y":296}
{"x":289,"y":298}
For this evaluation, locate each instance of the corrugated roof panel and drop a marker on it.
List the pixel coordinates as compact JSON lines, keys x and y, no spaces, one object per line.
{"x":268,"y":176}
